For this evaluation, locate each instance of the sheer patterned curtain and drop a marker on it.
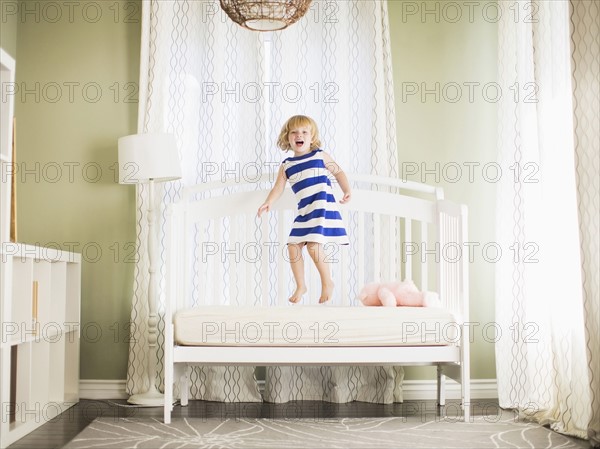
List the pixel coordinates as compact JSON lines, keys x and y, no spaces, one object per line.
{"x":225,"y":92}
{"x":547,"y":356}
{"x":192,"y":66}
{"x":585,"y":60}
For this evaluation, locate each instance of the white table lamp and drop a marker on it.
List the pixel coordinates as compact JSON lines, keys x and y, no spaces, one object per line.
{"x":149,"y":158}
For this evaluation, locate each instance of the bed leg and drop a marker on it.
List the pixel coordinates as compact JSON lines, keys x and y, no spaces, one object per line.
{"x":441,"y":386}
{"x":465,"y":386}
{"x":168,"y":395}
{"x":184,"y":386}
{"x":465,"y":378}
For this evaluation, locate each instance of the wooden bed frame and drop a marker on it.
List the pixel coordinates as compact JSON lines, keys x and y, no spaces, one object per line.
{"x":405,"y":229}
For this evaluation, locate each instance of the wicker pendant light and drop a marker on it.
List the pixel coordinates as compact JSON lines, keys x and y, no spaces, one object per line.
{"x":265,"y":15}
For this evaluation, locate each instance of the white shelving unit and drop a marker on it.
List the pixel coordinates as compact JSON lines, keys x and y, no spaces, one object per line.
{"x":40,"y":297}
{"x":39,"y":349}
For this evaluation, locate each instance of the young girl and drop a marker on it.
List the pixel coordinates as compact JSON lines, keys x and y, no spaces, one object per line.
{"x":318,"y":221}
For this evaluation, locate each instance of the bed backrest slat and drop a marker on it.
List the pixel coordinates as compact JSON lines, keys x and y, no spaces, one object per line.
{"x":243,"y":270}
{"x":361,"y":248}
{"x":425,"y":244}
{"x":408,"y":250}
{"x":219,"y":268}
{"x":282,"y":269}
{"x":342,"y":256}
{"x":234,"y":281}
{"x":176,"y":222}
{"x":377,"y":250}
{"x":265,"y":253}
{"x":249,"y":252}
{"x":200,"y":273}
{"x":259,"y":257}
{"x":393,"y":251}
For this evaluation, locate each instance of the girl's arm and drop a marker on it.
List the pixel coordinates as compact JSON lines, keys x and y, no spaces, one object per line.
{"x":340,"y":177}
{"x":275,"y":192}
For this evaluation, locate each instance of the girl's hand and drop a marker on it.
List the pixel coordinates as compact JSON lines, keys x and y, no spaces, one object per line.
{"x":275,"y":192}
{"x":339,"y":176}
{"x":266,"y":207}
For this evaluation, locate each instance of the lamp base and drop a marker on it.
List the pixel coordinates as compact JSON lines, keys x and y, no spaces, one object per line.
{"x":147,"y":399}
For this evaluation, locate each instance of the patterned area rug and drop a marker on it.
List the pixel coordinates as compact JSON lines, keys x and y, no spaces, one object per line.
{"x":393,"y":432}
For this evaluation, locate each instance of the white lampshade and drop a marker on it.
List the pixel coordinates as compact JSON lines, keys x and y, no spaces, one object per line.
{"x":143,"y":157}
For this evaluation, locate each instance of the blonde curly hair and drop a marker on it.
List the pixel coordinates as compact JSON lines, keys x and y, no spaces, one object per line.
{"x":298,"y":121}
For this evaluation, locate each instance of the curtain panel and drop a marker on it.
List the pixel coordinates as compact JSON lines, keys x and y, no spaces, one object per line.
{"x":585,"y":67}
{"x":547,"y":214}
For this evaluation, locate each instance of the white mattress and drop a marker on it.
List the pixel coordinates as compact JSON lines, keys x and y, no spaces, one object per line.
{"x":318,"y":325}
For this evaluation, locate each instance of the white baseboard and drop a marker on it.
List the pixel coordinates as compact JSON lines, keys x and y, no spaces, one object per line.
{"x":102,"y":389}
{"x":423,"y":390}
{"x":414,"y":390}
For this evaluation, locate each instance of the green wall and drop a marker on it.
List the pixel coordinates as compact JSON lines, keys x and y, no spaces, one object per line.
{"x":72,"y":105}
{"x":445,"y":58}
{"x":8,"y":27}
{"x":69,"y":122}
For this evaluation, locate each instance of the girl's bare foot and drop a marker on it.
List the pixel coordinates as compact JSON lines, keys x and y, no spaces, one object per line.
{"x":297,"y":296}
{"x":326,"y":292}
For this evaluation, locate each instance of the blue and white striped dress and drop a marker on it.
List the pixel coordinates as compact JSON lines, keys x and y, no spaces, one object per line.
{"x":318,"y":218}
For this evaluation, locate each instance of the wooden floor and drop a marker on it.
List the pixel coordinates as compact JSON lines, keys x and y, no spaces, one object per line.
{"x":65,"y":427}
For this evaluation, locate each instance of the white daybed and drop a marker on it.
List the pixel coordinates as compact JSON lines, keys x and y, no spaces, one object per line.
{"x":398,"y":230}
